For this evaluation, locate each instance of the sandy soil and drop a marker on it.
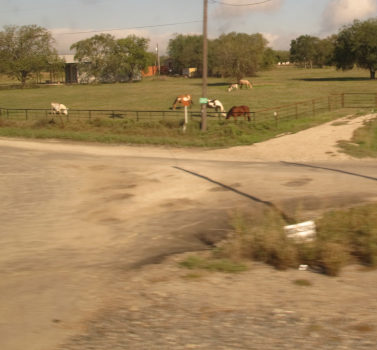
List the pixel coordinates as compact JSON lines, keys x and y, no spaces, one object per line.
{"x":83,"y":227}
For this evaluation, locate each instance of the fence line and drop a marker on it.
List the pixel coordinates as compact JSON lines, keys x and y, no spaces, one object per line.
{"x":275,"y":114}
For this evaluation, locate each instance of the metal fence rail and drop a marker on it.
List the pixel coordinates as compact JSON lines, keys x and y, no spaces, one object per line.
{"x":77,"y":114}
{"x":269,"y":115}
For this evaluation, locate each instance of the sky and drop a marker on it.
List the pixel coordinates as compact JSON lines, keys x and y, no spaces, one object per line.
{"x":280,"y":21}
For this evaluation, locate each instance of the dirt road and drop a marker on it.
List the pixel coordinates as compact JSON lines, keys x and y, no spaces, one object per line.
{"x":77,"y":219}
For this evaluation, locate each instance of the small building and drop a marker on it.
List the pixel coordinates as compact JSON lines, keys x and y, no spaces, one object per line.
{"x":189,"y":72}
{"x":70,"y":69}
{"x":150,"y":71}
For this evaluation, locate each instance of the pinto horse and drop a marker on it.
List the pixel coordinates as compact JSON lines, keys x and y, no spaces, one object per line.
{"x":237,"y":111}
{"x":246,"y":83}
{"x":217,"y":105}
{"x":183,"y":99}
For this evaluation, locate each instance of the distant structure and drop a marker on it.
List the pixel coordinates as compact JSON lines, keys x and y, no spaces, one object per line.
{"x":71,"y":69}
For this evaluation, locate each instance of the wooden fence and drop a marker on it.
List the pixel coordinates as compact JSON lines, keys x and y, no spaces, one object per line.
{"x":276,"y":114}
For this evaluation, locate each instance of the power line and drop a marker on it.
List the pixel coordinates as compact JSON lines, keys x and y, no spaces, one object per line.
{"x":229,"y":4}
{"x":129,"y":28}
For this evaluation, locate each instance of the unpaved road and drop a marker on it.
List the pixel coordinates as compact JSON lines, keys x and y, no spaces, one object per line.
{"x":77,"y":219}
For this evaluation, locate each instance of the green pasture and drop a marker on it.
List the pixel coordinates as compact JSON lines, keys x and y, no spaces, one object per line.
{"x":280,"y":86}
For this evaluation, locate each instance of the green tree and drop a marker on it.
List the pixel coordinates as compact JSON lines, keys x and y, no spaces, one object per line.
{"x":238,"y":54}
{"x":186,"y":51}
{"x":325,"y":51}
{"x":25,"y":51}
{"x":304,"y":49}
{"x":93,"y":55}
{"x":270,"y":58}
{"x":107,"y":59}
{"x":357,"y":44}
{"x":131,"y":56}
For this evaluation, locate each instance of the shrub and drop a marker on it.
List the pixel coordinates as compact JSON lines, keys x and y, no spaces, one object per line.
{"x":343,"y":236}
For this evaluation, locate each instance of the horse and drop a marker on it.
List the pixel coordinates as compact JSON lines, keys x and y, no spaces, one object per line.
{"x":232,"y":86}
{"x":246,"y":83}
{"x":187,"y":98}
{"x":217,"y":105}
{"x":237,"y":111}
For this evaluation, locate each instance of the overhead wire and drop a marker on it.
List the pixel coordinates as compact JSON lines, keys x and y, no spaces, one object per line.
{"x":233,"y":4}
{"x":129,"y":28}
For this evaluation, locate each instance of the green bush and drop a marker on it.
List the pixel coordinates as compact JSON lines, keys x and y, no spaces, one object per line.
{"x":343,"y":236}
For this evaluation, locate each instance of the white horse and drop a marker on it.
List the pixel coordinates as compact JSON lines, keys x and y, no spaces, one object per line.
{"x":233,"y":87}
{"x":58,"y":108}
{"x":217,"y":105}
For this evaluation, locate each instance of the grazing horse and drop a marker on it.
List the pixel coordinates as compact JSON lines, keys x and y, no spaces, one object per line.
{"x":217,"y":105}
{"x":183,"y":99}
{"x":232,"y":87}
{"x":246,"y":83}
{"x":58,"y":108}
{"x":237,"y":111}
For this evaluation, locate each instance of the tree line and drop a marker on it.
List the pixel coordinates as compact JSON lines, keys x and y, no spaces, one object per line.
{"x":28,"y":50}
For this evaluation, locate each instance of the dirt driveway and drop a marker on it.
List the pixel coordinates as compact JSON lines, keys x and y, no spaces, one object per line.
{"x":78,"y":219}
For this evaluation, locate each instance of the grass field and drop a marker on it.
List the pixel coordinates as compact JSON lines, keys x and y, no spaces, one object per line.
{"x":280,"y":86}
{"x":271,"y":88}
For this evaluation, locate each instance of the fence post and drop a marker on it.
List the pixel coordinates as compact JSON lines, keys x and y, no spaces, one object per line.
{"x":186,"y":120}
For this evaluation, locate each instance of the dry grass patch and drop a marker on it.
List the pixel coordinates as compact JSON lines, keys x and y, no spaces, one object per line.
{"x":343,"y":237}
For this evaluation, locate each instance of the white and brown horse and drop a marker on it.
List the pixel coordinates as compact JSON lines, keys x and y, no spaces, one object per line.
{"x":183,"y":99}
{"x":237,"y":111}
{"x":217,"y":105}
{"x":233,"y":87}
{"x":246,"y":83}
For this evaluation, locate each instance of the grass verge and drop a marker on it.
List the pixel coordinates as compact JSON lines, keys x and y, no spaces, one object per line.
{"x":343,"y":237}
{"x":363,"y":142}
{"x":221,"y":133}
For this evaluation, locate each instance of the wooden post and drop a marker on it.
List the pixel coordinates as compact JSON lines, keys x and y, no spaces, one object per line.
{"x":276,"y":119}
{"x":186,"y":120}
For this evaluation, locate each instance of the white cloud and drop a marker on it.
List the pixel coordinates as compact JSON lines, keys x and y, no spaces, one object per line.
{"x":281,"y":41}
{"x":226,"y":11}
{"x":342,"y":12}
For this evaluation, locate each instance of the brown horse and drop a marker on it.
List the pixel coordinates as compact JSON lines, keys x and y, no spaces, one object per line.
{"x":246,"y":83}
{"x":183,"y":99}
{"x":237,"y":111}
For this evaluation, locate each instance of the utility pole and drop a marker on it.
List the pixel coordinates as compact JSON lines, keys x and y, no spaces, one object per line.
{"x":205,"y":68}
{"x":158,"y":61}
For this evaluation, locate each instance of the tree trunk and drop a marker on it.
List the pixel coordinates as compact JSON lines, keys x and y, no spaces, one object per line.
{"x":372,"y":74}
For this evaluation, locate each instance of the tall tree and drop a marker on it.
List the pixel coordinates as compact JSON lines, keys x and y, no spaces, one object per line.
{"x":25,"y":50}
{"x":93,"y":55}
{"x":186,"y":51}
{"x":357,"y":44}
{"x":107,"y":59}
{"x":303,"y":50}
{"x":238,"y":54}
